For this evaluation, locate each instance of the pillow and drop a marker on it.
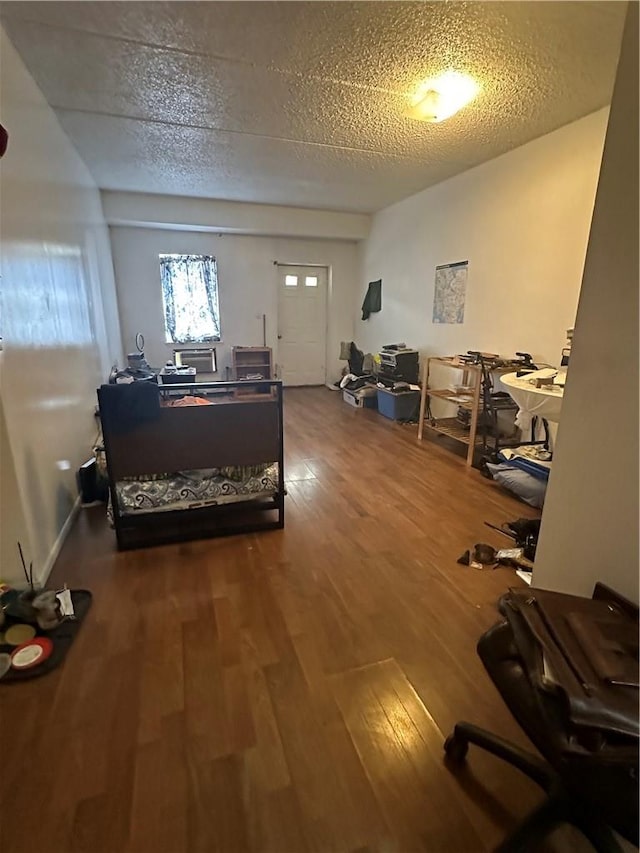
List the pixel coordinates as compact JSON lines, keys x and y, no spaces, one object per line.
{"x":528,"y":488}
{"x":188,"y":400}
{"x":238,"y":473}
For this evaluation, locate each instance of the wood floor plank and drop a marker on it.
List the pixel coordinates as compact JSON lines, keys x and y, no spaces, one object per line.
{"x":268,"y":764}
{"x":215,"y":811}
{"x":286,"y":691}
{"x":318,"y":782}
{"x":205,"y":708}
{"x":367,"y":821}
{"x":239,"y":714}
{"x":396,"y":746}
{"x":283,"y":828}
{"x":159,"y":810}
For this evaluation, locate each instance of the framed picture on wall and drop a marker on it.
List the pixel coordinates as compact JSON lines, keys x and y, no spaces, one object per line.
{"x":450,"y":293}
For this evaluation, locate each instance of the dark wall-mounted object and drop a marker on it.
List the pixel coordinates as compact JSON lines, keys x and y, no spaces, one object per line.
{"x":4,"y":140}
{"x":373,"y":299}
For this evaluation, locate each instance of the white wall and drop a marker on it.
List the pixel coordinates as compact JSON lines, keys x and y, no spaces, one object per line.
{"x":590,"y":520}
{"x":247,"y":282}
{"x":203,"y":214}
{"x":59,"y":317}
{"x":521,"y":220}
{"x":14,"y":526}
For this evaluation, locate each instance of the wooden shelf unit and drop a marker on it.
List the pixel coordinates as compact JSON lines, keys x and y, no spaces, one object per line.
{"x":246,"y":364}
{"x":252,"y":360}
{"x":450,"y":427}
{"x":465,"y":400}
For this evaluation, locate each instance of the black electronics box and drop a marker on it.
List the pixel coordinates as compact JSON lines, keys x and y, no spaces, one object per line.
{"x":399,"y":364}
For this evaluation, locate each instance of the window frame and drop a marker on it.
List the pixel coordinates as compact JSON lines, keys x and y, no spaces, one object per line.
{"x":167,"y":291}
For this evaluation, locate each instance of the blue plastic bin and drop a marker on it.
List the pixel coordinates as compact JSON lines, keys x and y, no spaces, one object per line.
{"x":398,"y":406}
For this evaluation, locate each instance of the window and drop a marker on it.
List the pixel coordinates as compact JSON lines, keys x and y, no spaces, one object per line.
{"x":190,"y":298}
{"x":311,"y":281}
{"x":291,"y":281}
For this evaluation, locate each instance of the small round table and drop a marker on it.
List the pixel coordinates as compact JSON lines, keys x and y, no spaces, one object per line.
{"x":544,"y":403}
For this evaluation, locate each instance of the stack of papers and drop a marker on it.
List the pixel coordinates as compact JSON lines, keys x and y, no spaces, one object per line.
{"x":543,"y":373}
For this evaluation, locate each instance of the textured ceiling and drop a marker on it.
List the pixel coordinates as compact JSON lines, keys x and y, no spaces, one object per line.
{"x":302,"y":103}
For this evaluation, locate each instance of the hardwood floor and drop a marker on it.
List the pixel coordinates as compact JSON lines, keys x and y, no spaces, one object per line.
{"x":283,"y":691}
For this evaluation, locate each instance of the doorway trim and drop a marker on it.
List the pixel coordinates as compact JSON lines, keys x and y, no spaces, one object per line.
{"x":328,"y":300}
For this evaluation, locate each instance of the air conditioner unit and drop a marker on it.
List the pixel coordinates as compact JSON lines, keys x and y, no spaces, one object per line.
{"x":203,"y":359}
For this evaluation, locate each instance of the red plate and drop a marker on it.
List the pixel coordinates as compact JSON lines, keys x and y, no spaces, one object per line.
{"x":30,"y":654}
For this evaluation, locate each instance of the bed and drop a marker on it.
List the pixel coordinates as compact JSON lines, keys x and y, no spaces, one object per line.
{"x":182,"y":471}
{"x":535,"y":459}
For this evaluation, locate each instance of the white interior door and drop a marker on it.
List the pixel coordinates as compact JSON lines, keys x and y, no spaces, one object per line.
{"x":302,"y":324}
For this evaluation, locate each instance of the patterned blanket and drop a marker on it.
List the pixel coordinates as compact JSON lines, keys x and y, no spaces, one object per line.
{"x":198,"y":488}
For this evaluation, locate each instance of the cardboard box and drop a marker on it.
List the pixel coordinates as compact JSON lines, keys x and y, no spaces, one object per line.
{"x":363,"y":398}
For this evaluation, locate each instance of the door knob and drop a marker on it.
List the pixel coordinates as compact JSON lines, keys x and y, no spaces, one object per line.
{"x":279,"y":337}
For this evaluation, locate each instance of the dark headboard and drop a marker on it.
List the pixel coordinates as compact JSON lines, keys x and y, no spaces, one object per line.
{"x":228,"y":432}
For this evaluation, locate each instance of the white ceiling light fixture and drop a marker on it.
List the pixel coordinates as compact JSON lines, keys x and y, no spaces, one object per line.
{"x":441,"y":97}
